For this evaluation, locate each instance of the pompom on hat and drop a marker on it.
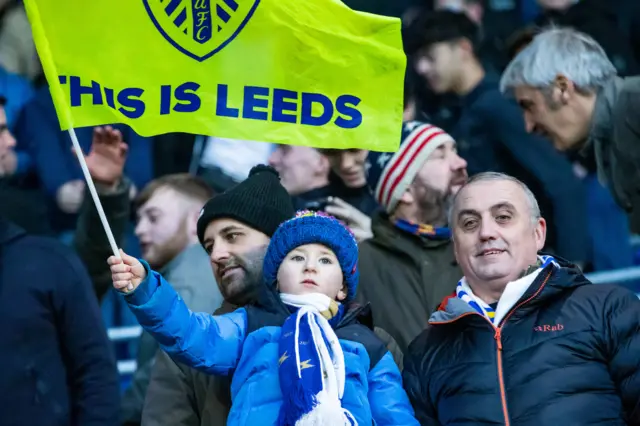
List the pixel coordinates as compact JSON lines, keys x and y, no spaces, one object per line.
{"x":309,"y":227}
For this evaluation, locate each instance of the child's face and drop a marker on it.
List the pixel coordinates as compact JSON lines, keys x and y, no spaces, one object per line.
{"x":311,"y":268}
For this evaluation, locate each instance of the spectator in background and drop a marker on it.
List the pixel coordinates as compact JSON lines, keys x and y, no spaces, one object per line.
{"x":57,"y":362}
{"x":234,"y":228}
{"x":598,"y":19}
{"x":491,"y":135}
{"x":167,"y":210}
{"x":408,"y":265}
{"x":17,"y":50}
{"x":526,"y":339}
{"x":350,"y":200}
{"x":420,"y":101}
{"x":304,"y":173}
{"x":17,"y":91}
{"x":21,"y":205}
{"x":490,"y":48}
{"x":579,"y":102}
{"x":58,"y":167}
{"x":609,"y":227}
{"x":443,"y":109}
{"x":348,"y":178}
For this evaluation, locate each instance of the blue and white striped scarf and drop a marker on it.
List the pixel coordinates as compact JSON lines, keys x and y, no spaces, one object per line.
{"x":478,"y":304}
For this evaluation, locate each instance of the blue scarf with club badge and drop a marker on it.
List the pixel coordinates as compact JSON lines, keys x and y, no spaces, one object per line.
{"x":311,"y":365}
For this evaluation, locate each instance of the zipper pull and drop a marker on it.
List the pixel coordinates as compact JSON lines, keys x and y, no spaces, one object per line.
{"x":498,"y":338}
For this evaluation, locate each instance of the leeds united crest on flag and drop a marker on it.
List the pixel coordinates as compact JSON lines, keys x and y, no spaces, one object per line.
{"x":200,"y":28}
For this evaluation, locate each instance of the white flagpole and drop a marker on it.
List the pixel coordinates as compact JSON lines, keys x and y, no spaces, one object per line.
{"x":94,"y":195}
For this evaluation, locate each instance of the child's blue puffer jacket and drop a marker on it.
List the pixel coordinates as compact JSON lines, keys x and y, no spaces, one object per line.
{"x":239,"y":344}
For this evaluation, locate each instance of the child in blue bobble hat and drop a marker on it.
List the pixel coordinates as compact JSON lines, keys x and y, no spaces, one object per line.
{"x":298,"y":356}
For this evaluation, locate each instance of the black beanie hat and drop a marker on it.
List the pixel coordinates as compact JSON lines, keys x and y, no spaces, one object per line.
{"x":260,"y":201}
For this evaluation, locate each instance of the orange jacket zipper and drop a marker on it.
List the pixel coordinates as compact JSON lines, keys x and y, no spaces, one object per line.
{"x":503,"y":391}
{"x":498,"y":337}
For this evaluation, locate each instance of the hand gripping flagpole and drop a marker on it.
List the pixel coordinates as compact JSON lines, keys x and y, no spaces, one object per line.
{"x":94,"y":196}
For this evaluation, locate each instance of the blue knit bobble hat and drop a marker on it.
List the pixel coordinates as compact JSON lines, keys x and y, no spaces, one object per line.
{"x":309,"y":227}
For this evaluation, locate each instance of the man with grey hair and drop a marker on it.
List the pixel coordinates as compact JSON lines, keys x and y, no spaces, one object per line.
{"x":569,"y":90}
{"x":526,"y":339}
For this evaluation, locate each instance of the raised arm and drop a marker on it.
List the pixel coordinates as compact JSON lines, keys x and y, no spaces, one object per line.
{"x":209,"y":343}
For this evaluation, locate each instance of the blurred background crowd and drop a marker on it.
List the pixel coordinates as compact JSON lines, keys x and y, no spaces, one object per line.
{"x":153,"y":188}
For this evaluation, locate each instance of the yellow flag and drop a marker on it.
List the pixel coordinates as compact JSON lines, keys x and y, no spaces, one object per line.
{"x":300,"y":72}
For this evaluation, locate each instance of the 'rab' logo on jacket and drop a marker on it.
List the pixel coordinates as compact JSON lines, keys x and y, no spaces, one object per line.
{"x":545,"y":328}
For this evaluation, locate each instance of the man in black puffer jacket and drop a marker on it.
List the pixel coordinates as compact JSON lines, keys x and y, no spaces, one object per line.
{"x":526,"y":340}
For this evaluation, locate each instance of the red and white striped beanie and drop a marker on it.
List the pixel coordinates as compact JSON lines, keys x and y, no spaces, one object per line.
{"x":390,"y":174}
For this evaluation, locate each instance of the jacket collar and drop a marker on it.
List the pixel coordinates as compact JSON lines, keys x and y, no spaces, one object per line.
{"x":549,"y":283}
{"x":602,"y":119}
{"x":270,"y":302}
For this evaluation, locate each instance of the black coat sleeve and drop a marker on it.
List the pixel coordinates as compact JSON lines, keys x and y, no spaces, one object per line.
{"x":622,"y":316}
{"x":552,"y":169}
{"x":87,"y":351}
{"x":416,"y":382}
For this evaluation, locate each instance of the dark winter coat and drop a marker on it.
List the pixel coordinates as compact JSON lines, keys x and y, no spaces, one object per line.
{"x":404,"y":277}
{"x":57,"y":365}
{"x":565,"y":354}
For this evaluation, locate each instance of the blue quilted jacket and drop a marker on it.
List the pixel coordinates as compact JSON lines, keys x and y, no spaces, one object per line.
{"x":244,"y":344}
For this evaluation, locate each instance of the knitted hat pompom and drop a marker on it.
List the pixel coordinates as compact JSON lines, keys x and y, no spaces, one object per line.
{"x":309,"y":227}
